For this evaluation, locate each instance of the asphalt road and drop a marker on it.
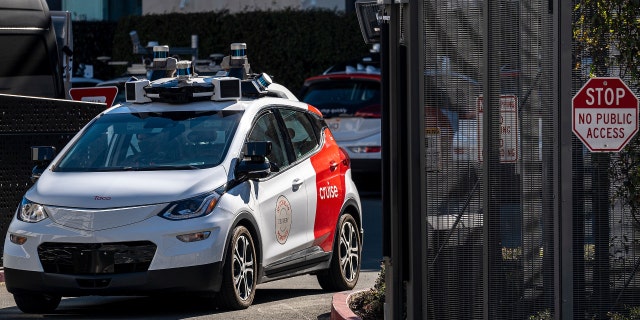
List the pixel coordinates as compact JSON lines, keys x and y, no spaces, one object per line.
{"x":296,"y":298}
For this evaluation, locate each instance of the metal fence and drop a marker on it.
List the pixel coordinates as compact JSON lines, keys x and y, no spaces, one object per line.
{"x":493,"y":174}
{"x":26,"y":122}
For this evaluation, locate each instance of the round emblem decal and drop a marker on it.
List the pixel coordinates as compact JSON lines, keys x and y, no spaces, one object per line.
{"x":283,"y":219}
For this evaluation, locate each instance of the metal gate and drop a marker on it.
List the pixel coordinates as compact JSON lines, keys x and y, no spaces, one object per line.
{"x":489,"y":71}
{"x":495,"y":209}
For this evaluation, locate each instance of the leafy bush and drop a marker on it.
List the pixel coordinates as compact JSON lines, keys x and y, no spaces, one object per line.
{"x":369,"y":304}
{"x":633,"y":314}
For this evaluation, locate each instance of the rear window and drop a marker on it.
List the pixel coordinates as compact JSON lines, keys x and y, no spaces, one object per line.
{"x":345,"y":98}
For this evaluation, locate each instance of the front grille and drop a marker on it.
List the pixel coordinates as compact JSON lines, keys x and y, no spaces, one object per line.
{"x":96,"y":258}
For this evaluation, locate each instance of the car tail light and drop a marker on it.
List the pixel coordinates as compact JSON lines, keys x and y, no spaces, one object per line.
{"x":372,"y":111}
{"x":365,"y":149}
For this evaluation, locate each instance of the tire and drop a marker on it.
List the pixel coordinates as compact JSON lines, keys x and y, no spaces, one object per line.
{"x":344,"y":268}
{"x":240,"y":271}
{"x":36,"y":303}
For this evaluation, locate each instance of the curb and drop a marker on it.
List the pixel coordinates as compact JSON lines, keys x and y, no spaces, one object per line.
{"x":340,"y":306}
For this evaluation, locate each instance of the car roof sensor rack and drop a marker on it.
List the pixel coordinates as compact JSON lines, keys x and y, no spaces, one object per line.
{"x":179,"y":84}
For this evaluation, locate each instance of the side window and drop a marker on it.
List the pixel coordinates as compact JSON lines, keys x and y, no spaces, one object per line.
{"x":91,"y":153}
{"x":266,"y":129}
{"x":301,"y":132}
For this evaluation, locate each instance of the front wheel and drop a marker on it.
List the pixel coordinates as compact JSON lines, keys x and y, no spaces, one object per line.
{"x":344,"y":268}
{"x":36,"y":303}
{"x":240,"y":271}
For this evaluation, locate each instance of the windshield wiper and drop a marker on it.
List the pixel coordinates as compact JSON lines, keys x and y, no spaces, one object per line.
{"x":157,"y":168}
{"x":130,"y":168}
{"x":170,"y":167}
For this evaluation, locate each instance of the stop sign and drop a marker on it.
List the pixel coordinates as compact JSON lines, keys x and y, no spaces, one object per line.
{"x":605,"y":114}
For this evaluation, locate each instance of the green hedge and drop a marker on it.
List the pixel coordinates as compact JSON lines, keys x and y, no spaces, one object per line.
{"x":289,"y":45}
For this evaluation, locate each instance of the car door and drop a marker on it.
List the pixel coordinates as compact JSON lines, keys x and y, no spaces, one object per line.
{"x":325,"y":183}
{"x":304,"y":146}
{"x":281,"y":197}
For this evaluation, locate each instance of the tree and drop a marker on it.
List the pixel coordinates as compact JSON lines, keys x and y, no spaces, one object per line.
{"x":607,"y":35}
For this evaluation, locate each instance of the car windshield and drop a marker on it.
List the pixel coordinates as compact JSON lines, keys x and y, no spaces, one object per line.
{"x":347,"y":98}
{"x":152,"y":141}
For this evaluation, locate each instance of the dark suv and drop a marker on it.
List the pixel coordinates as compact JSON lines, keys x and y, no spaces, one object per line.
{"x":31,"y":62}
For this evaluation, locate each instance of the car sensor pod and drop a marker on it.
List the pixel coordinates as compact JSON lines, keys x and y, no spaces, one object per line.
{"x":134,"y":91}
{"x":238,"y":62}
{"x":160,"y":53}
{"x":239,"y":51}
{"x":263,"y":81}
{"x":162,"y":66}
{"x":226,"y":88}
{"x":183,"y":69}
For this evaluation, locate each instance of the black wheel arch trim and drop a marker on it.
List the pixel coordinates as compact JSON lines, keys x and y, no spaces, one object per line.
{"x":252,"y":225}
{"x":350,"y":202}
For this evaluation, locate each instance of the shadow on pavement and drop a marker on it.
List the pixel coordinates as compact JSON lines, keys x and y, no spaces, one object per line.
{"x":161,"y":307}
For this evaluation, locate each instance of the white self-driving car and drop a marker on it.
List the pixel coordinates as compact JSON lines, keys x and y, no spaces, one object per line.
{"x":195,"y":185}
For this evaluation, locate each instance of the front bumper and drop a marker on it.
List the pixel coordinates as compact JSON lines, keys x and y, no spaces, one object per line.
{"x":202,"y":278}
{"x":132,"y":259}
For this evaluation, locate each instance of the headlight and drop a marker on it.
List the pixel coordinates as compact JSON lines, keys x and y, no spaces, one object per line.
{"x":191,"y":208}
{"x":31,"y":211}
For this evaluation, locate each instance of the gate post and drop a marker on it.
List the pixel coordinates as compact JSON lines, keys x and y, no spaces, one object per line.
{"x":403,"y":195}
{"x":563,"y":187}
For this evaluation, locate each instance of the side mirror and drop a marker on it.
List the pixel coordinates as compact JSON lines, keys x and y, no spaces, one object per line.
{"x":254,"y":164}
{"x":258,"y":149}
{"x":42,"y":156}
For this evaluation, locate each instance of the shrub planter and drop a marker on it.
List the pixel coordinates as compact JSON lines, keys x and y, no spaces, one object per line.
{"x":340,"y":309}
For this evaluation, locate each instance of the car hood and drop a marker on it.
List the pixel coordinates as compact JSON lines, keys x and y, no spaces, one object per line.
{"x":103,"y":190}
{"x":349,"y":129}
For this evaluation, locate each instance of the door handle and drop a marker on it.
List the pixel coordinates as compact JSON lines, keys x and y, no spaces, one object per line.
{"x":333,"y":165}
{"x":297,"y":182}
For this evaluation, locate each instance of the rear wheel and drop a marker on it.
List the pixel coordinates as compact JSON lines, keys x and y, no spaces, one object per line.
{"x":36,"y":303}
{"x":344,"y":268}
{"x":240,"y":271}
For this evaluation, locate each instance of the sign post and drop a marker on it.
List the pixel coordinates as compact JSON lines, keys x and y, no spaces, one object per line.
{"x":605,"y":114}
{"x":509,"y":131}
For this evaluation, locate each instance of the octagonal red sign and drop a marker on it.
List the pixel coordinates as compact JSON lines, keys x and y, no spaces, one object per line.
{"x":605,"y":114}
